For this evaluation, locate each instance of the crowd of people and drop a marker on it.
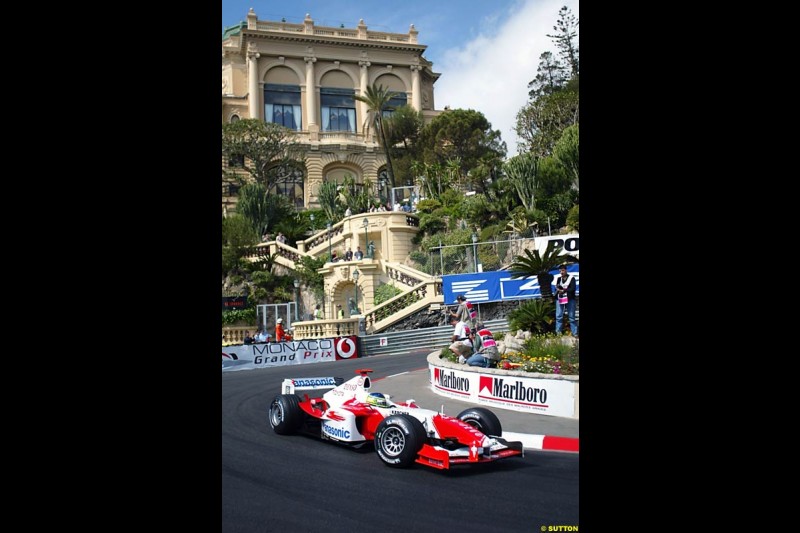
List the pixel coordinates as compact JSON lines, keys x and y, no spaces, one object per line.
{"x":358,"y":255}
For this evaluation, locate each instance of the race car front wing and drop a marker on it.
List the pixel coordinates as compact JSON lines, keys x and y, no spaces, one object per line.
{"x":441,"y":458}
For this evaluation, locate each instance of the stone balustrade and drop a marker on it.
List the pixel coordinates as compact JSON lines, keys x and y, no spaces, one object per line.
{"x":308,"y":329}
{"x":403,"y":277}
{"x":235,"y":334}
{"x":325,"y":329}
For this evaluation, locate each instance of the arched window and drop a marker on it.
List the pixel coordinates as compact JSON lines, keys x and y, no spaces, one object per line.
{"x":234,"y":118}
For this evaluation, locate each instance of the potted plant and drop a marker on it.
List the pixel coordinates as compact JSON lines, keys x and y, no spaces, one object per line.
{"x":540,"y":265}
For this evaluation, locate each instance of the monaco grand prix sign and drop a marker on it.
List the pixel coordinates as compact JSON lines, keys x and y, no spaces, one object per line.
{"x":249,"y":356}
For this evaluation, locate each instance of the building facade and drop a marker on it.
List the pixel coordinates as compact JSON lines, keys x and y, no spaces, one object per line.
{"x":305,"y":77}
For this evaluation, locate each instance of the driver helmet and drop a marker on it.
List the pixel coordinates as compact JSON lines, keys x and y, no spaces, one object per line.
{"x":377,"y":399}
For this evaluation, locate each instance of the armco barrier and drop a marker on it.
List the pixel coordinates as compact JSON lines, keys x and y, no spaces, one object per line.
{"x":517,"y":390}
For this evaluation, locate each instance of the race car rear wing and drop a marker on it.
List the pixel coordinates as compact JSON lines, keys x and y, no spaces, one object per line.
{"x":290,"y":385}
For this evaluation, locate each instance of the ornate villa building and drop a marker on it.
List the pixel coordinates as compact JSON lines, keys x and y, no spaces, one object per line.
{"x":305,"y":77}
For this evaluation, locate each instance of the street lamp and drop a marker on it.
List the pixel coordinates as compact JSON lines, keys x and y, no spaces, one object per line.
{"x":356,"y":273}
{"x":296,"y":298}
{"x":475,"y":250}
{"x":330,"y":255}
{"x":366,"y":225}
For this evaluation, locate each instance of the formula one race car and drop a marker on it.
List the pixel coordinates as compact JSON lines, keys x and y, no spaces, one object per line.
{"x":402,"y":433}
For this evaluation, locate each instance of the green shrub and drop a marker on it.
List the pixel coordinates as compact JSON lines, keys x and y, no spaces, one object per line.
{"x":428,"y":206}
{"x":385,"y":292}
{"x":448,"y":355}
{"x":488,"y":258}
{"x":232,"y":316}
{"x":537,"y":316}
{"x":421,"y":259}
{"x":573,"y":218}
{"x":430,"y":224}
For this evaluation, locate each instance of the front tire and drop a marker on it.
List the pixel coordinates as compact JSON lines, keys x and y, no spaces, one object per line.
{"x":483,"y":420}
{"x":398,"y":440}
{"x":285,"y":414}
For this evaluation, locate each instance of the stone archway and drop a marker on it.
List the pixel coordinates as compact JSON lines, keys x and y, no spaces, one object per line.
{"x":343,"y":292}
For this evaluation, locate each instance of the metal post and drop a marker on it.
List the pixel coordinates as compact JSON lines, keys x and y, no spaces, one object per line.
{"x":441,"y":258}
{"x":475,"y":250}
{"x":366,"y":225}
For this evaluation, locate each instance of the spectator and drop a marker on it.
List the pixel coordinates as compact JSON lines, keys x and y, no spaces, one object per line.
{"x":317,"y":313}
{"x":359,"y":255}
{"x":247,"y":338}
{"x":565,"y":300}
{"x":473,"y":314}
{"x":464,"y":310}
{"x":348,"y":255}
{"x":348,"y":212}
{"x":262,"y":336}
{"x":339,"y":311}
{"x":462,"y":345}
{"x":334,"y":257}
{"x":352,"y":307}
{"x":280,"y":333}
{"x":486,"y":353}
{"x":281,"y":238}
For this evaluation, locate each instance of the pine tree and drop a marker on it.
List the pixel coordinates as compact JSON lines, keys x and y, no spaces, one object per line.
{"x":567,"y":33}
{"x":550,"y":76}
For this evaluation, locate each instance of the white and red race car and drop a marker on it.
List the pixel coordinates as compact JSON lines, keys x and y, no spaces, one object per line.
{"x":403,"y":433}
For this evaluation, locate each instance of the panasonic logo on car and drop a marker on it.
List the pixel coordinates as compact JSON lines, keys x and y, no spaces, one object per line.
{"x":314,"y":382}
{"x":450,"y":381}
{"x":337,"y":433}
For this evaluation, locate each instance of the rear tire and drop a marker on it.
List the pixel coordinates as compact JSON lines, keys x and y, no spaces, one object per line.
{"x":483,"y":420}
{"x":285,"y":414}
{"x":398,"y":440}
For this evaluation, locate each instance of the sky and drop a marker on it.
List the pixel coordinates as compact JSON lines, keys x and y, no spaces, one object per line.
{"x":486,"y":51}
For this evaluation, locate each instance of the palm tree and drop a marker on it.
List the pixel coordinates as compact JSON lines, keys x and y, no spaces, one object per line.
{"x":377,"y":100}
{"x":540,"y":266}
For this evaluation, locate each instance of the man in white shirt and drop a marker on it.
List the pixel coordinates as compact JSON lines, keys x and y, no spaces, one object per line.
{"x":462,"y":345}
{"x":262,"y":335}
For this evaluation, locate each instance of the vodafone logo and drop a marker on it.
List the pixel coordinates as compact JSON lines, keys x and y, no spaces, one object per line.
{"x":345,"y":348}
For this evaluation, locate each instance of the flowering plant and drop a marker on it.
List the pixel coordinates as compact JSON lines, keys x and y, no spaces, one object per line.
{"x":546,"y":354}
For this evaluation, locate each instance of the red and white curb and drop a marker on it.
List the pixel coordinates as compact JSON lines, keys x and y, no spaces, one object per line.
{"x":543,"y":442}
